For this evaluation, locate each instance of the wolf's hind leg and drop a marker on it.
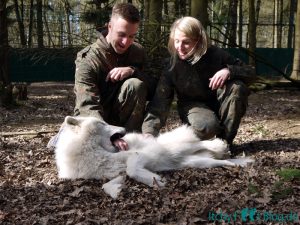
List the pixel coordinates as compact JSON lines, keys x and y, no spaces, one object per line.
{"x":205,"y":162}
{"x":242,"y":161}
{"x":136,"y":170}
{"x":216,"y":148}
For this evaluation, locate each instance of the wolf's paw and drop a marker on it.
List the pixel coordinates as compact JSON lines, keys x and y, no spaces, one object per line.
{"x":114,"y":187}
{"x":158,"y":182}
{"x":219,"y":145}
{"x":242,"y":161}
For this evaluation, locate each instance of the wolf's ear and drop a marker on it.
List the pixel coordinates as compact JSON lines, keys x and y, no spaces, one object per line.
{"x":70,"y":120}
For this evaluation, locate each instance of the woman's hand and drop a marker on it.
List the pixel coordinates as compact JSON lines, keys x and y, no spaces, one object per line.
{"x":219,"y":79}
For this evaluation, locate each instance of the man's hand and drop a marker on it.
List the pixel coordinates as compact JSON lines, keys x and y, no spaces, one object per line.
{"x":121,"y":144}
{"x":219,"y":79}
{"x":119,"y":73}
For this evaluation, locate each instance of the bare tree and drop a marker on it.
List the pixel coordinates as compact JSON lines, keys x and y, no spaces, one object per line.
{"x":20,"y":20}
{"x":279,"y":22}
{"x":296,"y":64}
{"x":180,"y":7}
{"x":240,"y":18}
{"x":31,"y":16}
{"x":252,"y":32}
{"x":291,"y":23}
{"x":4,"y":78}
{"x":39,"y":23}
{"x":199,"y":11}
{"x":68,"y":11}
{"x":155,"y":17}
{"x":5,"y":87}
{"x":230,"y":34}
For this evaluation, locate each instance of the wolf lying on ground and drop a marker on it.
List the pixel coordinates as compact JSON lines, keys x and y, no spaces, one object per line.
{"x":84,"y":149}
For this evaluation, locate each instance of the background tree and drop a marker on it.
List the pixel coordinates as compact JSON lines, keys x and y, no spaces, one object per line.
{"x":180,"y":8}
{"x":30,"y":27}
{"x":240,"y":19}
{"x":20,"y":20}
{"x":5,"y":87}
{"x":231,"y":28}
{"x":154,"y":24}
{"x":291,"y":22}
{"x":296,"y":64}
{"x":39,"y":23}
{"x":199,"y":11}
{"x":252,"y":32}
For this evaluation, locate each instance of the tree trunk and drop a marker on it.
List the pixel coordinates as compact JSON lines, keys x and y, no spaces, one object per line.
{"x":31,"y":16}
{"x":176,"y":8}
{"x":274,"y":24}
{"x":180,"y":8}
{"x":145,"y":17}
{"x":252,"y":32}
{"x":291,"y":25}
{"x":68,"y":12}
{"x":279,"y":22}
{"x":20,"y":24}
{"x":5,"y":86}
{"x":231,"y":24}
{"x":258,"y":2}
{"x":155,"y":15}
{"x":39,"y":23}
{"x":50,"y":41}
{"x":240,"y":16}
{"x":199,"y":11}
{"x":166,"y":8}
{"x":4,"y":78}
{"x":296,"y":64}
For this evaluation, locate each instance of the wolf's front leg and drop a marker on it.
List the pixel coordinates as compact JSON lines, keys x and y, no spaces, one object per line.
{"x":136,"y":170}
{"x":114,"y":187}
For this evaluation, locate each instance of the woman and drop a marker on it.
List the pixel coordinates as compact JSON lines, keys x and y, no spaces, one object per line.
{"x":209,"y":83}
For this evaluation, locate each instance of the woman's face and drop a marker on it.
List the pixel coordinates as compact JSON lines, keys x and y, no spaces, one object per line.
{"x":184,"y":45}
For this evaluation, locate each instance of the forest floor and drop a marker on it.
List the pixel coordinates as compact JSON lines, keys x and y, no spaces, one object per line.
{"x":31,"y":193}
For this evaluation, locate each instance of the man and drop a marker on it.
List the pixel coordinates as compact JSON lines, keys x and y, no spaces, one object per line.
{"x":108,"y":80}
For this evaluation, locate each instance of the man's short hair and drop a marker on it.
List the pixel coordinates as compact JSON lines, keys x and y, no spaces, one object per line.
{"x":126,"y":11}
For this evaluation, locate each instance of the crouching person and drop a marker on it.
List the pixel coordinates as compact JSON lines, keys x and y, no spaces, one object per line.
{"x":109,"y":83}
{"x":210,"y":85}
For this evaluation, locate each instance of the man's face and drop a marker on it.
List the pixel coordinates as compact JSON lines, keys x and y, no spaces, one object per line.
{"x":121,"y":34}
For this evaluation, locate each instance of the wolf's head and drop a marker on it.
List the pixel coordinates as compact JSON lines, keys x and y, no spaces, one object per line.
{"x":90,"y":131}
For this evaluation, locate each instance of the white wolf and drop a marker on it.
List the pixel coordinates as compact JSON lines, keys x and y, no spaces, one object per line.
{"x":84,"y":149}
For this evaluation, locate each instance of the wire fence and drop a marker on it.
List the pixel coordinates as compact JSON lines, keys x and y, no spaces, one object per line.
{"x":56,"y":35}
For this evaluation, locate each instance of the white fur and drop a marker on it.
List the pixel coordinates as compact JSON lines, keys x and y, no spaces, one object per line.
{"x":84,"y":150}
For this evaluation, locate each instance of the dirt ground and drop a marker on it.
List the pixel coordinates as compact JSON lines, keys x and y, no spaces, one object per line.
{"x":266,"y":192}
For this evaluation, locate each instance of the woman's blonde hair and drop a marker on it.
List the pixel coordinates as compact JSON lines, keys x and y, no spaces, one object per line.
{"x":192,"y":28}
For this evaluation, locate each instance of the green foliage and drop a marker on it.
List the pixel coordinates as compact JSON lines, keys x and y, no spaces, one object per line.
{"x":282,"y":188}
{"x":98,"y":12}
{"x":260,"y":130}
{"x":96,"y":16}
{"x":289,"y":174}
{"x":253,"y":189}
